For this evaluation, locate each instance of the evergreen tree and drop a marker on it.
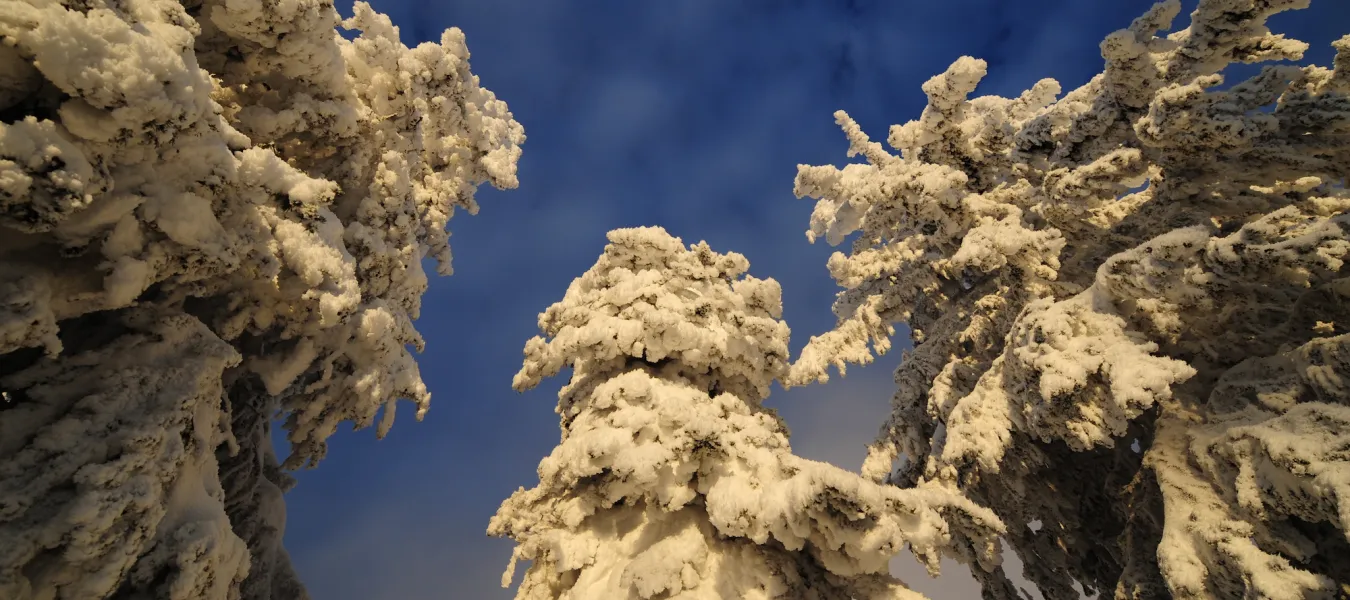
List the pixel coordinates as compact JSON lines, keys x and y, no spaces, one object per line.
{"x":1128,"y":308}
{"x":671,"y":479}
{"x":211,"y":211}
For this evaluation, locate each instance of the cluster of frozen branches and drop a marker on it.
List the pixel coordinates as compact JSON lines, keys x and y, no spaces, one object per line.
{"x":210,"y":212}
{"x":1129,"y":310}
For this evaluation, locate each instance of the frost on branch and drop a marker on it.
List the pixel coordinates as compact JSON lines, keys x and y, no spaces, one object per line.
{"x":240,"y":169}
{"x":1122,"y":302}
{"x":671,"y":479}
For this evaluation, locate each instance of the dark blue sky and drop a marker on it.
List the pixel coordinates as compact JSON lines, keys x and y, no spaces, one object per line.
{"x":689,"y":114}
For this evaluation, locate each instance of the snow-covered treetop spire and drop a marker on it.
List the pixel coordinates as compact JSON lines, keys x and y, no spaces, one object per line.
{"x":649,"y":298}
{"x":671,"y":480}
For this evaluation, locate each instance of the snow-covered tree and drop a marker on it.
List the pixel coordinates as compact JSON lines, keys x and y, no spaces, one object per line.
{"x":211,"y":212}
{"x":671,"y":479}
{"x":1129,"y":309}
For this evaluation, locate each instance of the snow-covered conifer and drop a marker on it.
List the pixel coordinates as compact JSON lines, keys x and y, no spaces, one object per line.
{"x":210,"y":211}
{"x":1129,"y":309}
{"x":671,"y":479}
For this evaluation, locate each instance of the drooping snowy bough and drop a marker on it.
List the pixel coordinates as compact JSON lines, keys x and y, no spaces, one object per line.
{"x":671,"y":480}
{"x":1129,"y":309}
{"x":210,"y":211}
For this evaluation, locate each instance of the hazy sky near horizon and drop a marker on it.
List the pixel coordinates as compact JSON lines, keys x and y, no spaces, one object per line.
{"x":688,"y":114}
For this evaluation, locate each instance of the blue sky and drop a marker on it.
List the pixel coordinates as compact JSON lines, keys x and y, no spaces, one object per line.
{"x":689,"y":114}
